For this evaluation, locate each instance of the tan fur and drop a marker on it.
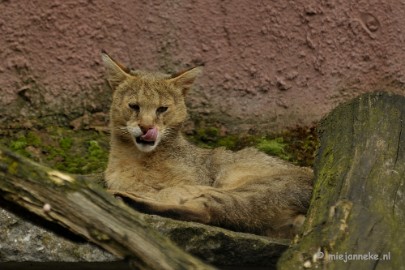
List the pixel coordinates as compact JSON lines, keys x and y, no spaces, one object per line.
{"x":245,"y":190}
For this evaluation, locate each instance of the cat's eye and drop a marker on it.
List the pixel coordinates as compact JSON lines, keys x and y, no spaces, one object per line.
{"x":134,"y":107}
{"x":161,"y":109}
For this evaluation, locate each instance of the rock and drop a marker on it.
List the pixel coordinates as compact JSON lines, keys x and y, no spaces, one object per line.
{"x":219,"y":246}
{"x":24,"y":241}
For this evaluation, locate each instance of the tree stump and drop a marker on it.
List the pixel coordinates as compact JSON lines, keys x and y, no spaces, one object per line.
{"x":357,"y":215}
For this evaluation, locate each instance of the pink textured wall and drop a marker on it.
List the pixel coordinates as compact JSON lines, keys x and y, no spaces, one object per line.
{"x":268,"y":64}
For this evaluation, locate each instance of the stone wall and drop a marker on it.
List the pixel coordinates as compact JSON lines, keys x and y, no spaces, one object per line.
{"x":268,"y":64}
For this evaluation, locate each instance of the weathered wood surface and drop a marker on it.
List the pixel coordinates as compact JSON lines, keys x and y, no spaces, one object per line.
{"x":85,"y":208}
{"x":25,"y":237}
{"x":358,"y":205}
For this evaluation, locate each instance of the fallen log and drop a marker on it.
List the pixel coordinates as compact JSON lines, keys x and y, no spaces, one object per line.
{"x":357,"y":213}
{"x":86,"y":209}
{"x":26,"y":238}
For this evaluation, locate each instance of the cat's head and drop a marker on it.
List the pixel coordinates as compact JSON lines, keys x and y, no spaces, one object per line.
{"x":147,"y":107}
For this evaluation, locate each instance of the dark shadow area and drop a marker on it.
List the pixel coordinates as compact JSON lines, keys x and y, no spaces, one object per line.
{"x":65,"y":265}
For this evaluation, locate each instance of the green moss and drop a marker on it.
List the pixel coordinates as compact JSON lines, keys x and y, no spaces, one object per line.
{"x":95,"y":151}
{"x":206,"y":137}
{"x":81,"y":152}
{"x":275,"y":147}
{"x":19,"y":145}
{"x":65,"y":143}
{"x":79,"y":156}
{"x":296,"y":145}
{"x":34,"y":139}
{"x":22,"y":141}
{"x":95,"y":155}
{"x":86,"y":151}
{"x":12,"y":168}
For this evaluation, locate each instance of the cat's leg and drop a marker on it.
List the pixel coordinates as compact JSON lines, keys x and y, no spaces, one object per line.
{"x":257,"y":207}
{"x":173,"y":209}
{"x":269,"y":206}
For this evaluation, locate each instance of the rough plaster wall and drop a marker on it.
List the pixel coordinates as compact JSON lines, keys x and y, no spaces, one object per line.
{"x":268,"y":64}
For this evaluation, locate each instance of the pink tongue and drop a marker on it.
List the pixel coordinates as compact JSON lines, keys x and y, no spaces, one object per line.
{"x":150,"y":135}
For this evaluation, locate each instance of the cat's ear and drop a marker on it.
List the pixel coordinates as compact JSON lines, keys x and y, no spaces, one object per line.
{"x":116,"y":73}
{"x":184,"y":80}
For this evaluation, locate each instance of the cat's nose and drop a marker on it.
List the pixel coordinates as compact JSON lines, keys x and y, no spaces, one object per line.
{"x":145,"y":129}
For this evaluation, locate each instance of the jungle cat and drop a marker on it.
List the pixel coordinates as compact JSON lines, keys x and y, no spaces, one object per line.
{"x":152,"y":165}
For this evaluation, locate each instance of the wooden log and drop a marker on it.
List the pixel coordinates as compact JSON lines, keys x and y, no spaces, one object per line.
{"x":357,"y":215}
{"x":86,"y":209}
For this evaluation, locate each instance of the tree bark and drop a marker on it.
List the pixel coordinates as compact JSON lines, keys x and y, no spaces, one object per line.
{"x":86,"y":209}
{"x":357,"y":214}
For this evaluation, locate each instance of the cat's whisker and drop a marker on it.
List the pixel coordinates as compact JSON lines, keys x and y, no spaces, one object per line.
{"x":122,"y":130}
{"x":169,"y":132}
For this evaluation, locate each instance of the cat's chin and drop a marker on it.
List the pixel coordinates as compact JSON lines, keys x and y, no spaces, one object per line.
{"x":146,"y":146}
